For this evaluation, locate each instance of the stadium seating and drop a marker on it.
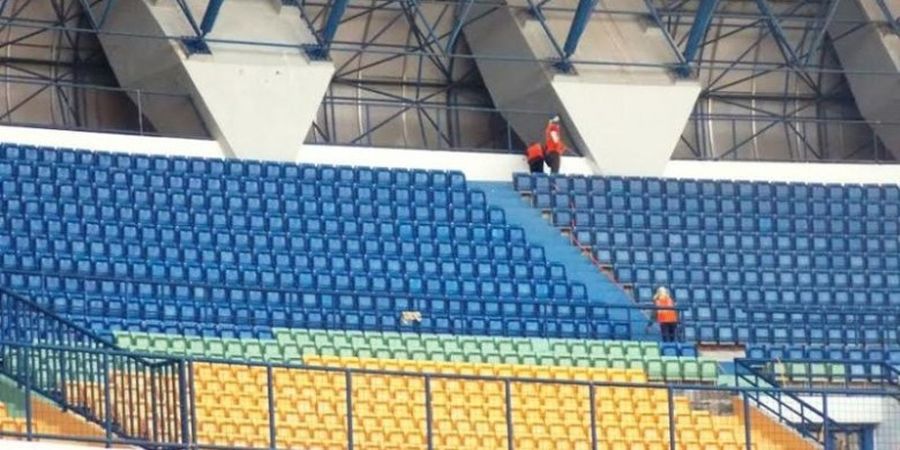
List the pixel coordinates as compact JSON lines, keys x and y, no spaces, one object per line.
{"x":753,"y":261}
{"x":232,"y":249}
{"x":294,"y":345}
{"x":389,"y":411}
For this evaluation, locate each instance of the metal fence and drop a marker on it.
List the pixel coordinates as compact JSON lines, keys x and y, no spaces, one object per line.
{"x":165,"y":402}
{"x":158,"y":402}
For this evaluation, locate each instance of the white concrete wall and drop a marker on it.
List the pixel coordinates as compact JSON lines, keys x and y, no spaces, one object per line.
{"x":476,"y":166}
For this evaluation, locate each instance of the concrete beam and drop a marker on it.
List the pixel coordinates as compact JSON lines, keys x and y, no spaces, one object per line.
{"x":257,"y":101}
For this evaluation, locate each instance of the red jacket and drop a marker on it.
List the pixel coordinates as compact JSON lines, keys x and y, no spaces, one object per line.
{"x":534,"y":152}
{"x":553,"y":138}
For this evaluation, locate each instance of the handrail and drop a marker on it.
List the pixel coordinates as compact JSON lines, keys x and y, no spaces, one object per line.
{"x":799,"y":407}
{"x":876,"y":371}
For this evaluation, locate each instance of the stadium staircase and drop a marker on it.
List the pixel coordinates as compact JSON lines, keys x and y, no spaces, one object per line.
{"x":559,"y":250}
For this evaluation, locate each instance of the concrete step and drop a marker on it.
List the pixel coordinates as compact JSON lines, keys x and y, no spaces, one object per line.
{"x":559,"y":249}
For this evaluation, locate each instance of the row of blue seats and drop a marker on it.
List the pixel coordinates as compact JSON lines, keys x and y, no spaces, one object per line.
{"x":798,"y":352}
{"x":723,"y":333}
{"x":785,"y":260}
{"x":705,"y":188}
{"x":476,"y":291}
{"x":708,"y":206}
{"x":273,"y":228}
{"x":216,"y":193}
{"x":813,"y":296}
{"x":225,"y":312}
{"x":18,"y":156}
{"x":752,"y":277}
{"x":290,"y":208}
{"x":264,"y":221}
{"x":263,"y":244}
{"x":137,"y":264}
{"x":777,"y":224}
{"x":656,"y":240}
{"x":765,"y":313}
{"x":368,"y":322}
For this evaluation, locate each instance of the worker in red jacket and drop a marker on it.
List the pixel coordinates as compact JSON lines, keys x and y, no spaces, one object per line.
{"x":535,"y":156}
{"x":553,"y":145}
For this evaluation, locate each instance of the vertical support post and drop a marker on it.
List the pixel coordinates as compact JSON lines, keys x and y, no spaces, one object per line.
{"x":349,"y":385}
{"x":107,"y":401}
{"x":270,"y":392}
{"x":63,"y":384}
{"x":507,"y":393}
{"x":29,"y":422}
{"x":592,"y":395}
{"x":183,"y":403}
{"x":193,"y":389}
{"x":429,"y":430}
{"x":670,"y":398}
{"x":140,"y":107}
{"x":826,"y":428}
{"x":747,"y":426}
{"x":154,"y":406}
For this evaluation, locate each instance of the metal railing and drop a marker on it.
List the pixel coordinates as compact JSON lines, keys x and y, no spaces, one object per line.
{"x":592,"y":320}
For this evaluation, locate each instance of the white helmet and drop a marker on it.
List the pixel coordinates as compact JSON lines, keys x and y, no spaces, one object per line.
{"x":662,"y":291}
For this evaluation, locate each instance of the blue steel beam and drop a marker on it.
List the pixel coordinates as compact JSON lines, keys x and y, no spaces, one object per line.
{"x":210,"y":16}
{"x":579,"y":24}
{"x":197,"y":44}
{"x":326,"y":37}
{"x":893,"y":22}
{"x":699,"y":28}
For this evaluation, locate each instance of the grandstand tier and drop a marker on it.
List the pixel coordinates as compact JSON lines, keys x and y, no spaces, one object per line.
{"x":759,"y":262}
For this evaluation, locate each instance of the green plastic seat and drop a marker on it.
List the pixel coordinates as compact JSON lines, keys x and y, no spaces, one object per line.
{"x":690,"y":369}
{"x":159,"y":344}
{"x":615,"y":351}
{"x":654,"y":368}
{"x":560,"y":349}
{"x":283,"y":336}
{"x":177,"y":346}
{"x":671,"y":368}
{"x":618,"y":363}
{"x":538,"y":346}
{"x":253,"y":351}
{"x":291,"y":353}
{"x":579,"y":350}
{"x":214,"y":348}
{"x":837,"y":373}
{"x":709,"y":370}
{"x":506,"y":348}
{"x":195,"y":347}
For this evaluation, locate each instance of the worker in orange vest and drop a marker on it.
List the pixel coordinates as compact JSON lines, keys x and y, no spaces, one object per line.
{"x":553,"y":144}
{"x":665,"y":315}
{"x":535,"y":156}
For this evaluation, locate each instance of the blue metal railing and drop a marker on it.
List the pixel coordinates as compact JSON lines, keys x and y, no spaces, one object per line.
{"x":849,"y":374}
{"x":168,"y":418}
{"x":55,"y":358}
{"x":588,"y":317}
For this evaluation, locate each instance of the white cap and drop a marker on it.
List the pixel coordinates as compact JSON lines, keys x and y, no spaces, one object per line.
{"x":662,"y":291}
{"x":555,"y":119}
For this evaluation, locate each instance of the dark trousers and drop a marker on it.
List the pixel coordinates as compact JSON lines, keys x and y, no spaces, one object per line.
{"x":553,"y":161}
{"x":669,"y":331}
{"x":536,"y":165}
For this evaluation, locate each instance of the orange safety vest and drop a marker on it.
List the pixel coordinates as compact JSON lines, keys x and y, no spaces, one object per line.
{"x":666,"y":315}
{"x":534,"y":151}
{"x":553,"y":138}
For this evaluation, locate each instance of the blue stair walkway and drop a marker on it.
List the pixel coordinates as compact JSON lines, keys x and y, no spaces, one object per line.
{"x":558,"y":249}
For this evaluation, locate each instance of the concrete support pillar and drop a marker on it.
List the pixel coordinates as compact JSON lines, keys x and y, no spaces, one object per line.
{"x":256,"y":101}
{"x":627,"y":120}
